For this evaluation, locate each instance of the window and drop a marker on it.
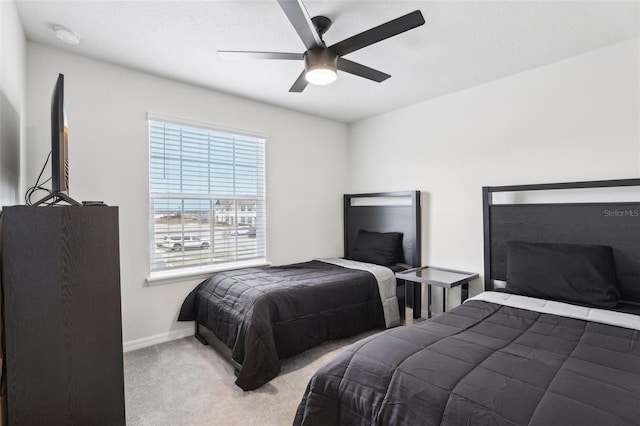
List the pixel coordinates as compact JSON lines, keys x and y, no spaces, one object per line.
{"x":207,"y":196}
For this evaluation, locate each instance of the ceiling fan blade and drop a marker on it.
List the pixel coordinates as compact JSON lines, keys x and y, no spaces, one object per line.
{"x":300,"y":84}
{"x":379,"y":33}
{"x":228,"y":54}
{"x":361,"y":70}
{"x":299,"y":18}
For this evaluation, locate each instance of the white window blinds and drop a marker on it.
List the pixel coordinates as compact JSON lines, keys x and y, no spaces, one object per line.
{"x":207,"y":196}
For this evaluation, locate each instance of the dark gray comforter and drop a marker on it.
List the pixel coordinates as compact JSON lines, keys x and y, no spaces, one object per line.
{"x":266,"y":314}
{"x":482,"y":364}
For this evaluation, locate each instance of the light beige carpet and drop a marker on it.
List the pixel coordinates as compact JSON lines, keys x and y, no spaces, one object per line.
{"x":186,"y":383}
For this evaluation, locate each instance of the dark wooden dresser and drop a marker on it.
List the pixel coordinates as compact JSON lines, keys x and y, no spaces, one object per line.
{"x":62,"y":316}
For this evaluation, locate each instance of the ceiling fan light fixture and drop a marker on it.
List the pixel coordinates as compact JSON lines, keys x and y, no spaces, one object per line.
{"x":321,"y":66}
{"x":321,"y":75}
{"x":321,"y":62}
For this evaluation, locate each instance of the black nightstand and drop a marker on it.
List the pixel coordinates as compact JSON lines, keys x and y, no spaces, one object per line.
{"x":430,"y":275}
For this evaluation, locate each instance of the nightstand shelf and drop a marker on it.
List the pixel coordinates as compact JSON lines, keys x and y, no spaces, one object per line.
{"x":433,"y":276}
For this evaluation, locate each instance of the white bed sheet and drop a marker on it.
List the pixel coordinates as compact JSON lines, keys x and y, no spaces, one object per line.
{"x":603,"y":316}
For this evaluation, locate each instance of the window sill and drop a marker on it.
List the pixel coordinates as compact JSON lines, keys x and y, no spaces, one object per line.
{"x":181,"y":275}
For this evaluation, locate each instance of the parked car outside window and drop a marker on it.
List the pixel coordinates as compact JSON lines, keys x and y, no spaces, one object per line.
{"x":250,"y":232}
{"x":177,"y":242}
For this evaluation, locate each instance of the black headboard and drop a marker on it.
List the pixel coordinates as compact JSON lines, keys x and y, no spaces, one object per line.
{"x":616,"y":224}
{"x":385,"y":212}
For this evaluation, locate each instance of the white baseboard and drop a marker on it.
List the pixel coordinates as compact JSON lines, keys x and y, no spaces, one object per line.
{"x":132,"y":345}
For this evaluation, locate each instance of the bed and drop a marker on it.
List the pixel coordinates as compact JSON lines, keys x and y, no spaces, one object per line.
{"x":558,"y":345}
{"x":257,"y":316}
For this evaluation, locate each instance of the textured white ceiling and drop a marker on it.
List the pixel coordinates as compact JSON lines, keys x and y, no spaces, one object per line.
{"x":462,"y":44}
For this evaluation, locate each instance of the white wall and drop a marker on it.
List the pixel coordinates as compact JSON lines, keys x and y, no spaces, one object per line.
{"x":107,"y":108}
{"x":573,"y":120}
{"x":12,"y":105}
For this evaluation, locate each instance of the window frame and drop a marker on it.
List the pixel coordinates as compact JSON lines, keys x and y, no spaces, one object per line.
{"x":203,"y":270}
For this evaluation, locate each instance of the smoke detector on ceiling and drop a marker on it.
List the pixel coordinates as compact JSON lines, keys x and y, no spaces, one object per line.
{"x":66,"y":35}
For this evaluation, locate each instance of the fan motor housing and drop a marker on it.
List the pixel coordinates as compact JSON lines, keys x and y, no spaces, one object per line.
{"x":320,"y":57}
{"x":321,"y":66}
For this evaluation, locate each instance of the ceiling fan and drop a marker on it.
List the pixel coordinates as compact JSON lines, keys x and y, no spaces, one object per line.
{"x":322,"y":62}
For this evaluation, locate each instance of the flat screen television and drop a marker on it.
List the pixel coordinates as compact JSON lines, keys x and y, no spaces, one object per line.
{"x":59,"y":149}
{"x":59,"y":139}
